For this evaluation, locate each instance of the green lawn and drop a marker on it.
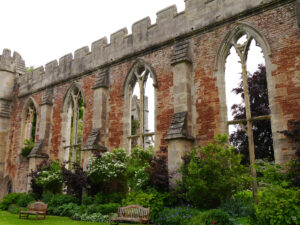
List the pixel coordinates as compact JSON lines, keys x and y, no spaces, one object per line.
{"x":7,"y":218}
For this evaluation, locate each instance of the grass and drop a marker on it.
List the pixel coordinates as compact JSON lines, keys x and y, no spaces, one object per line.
{"x":7,"y":218}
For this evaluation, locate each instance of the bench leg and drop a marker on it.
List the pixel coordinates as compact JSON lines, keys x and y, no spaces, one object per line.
{"x":36,"y":216}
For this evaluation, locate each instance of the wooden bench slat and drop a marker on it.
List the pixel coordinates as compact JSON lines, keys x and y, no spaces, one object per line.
{"x":131,"y":213}
{"x":36,"y":208}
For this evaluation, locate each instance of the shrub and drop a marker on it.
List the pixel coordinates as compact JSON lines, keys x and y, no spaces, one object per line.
{"x":152,"y":199}
{"x":60,"y":200}
{"x":13,"y":208}
{"x":108,"y":171}
{"x":47,"y":196}
{"x":270,"y":173}
{"x":106,"y":209}
{"x":158,"y":173}
{"x":28,"y":146}
{"x":100,"y":198}
{"x":176,"y":216}
{"x":24,"y":200}
{"x":213,"y":216}
{"x":137,"y":164}
{"x":87,"y":200}
{"x":47,"y":176}
{"x":75,"y":179}
{"x":12,"y":198}
{"x":277,"y":206}
{"x":116,"y":197}
{"x":213,"y":174}
{"x":239,"y":205}
{"x":66,"y":210}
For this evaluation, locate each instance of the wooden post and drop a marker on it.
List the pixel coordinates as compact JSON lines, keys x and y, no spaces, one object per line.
{"x":241,"y":49}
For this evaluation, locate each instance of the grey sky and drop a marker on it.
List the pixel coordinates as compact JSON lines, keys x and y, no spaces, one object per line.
{"x":44,"y":30}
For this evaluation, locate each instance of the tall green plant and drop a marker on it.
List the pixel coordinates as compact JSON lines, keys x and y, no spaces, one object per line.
{"x":213,"y":174}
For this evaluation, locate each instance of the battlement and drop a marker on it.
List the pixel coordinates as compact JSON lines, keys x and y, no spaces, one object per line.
{"x":170,"y":25}
{"x":14,"y":64}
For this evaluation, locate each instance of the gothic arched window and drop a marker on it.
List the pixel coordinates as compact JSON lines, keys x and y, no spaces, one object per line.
{"x":72,"y":130}
{"x":29,"y":119}
{"x":243,"y":73}
{"x":139,"y":92}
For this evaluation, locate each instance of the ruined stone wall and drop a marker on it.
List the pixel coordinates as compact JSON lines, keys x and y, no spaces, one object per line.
{"x":185,"y":52}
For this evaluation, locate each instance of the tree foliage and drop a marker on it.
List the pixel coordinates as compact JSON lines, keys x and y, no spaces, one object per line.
{"x":259,"y":104}
{"x":75,"y":179}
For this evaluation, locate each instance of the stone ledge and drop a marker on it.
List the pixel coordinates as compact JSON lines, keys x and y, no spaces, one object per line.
{"x":92,"y":143}
{"x":178,"y":128}
{"x":102,"y":79}
{"x":36,"y":152}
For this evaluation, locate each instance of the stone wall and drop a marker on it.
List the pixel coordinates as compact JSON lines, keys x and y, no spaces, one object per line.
{"x":186,"y":52}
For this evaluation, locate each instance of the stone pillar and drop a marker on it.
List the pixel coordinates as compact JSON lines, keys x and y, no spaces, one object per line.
{"x":96,"y":139}
{"x":45,"y":119}
{"x":4,"y":141}
{"x":179,"y":139}
{"x":10,"y":68}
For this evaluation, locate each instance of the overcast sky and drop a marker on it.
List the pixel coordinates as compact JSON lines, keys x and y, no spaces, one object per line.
{"x":44,"y":30}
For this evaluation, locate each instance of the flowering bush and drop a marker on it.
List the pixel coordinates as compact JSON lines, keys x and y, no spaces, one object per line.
{"x":109,"y":166}
{"x":176,"y":216}
{"x":137,"y":165}
{"x":47,"y":176}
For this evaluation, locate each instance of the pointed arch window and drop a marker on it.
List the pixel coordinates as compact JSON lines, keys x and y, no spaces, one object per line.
{"x":73,"y":125}
{"x":29,"y":122}
{"x":243,"y":92}
{"x":140,"y":96}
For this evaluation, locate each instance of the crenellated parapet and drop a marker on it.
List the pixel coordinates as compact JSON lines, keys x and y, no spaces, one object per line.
{"x":11,"y":66}
{"x":9,"y":63}
{"x":170,"y":26}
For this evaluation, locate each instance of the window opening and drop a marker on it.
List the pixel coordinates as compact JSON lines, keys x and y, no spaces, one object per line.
{"x":75,"y":124}
{"x":247,"y":95}
{"x":30,"y":123}
{"x":142,"y":109}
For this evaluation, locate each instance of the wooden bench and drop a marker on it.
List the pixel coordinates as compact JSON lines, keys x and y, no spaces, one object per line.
{"x":36,"y":208}
{"x":131,"y":213}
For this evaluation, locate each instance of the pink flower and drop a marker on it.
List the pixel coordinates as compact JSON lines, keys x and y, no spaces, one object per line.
{"x":214,"y":222}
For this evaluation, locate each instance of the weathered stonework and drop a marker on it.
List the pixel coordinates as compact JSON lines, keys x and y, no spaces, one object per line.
{"x":185,"y":53}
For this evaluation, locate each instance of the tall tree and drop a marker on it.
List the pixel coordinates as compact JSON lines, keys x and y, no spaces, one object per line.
{"x":259,"y":104}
